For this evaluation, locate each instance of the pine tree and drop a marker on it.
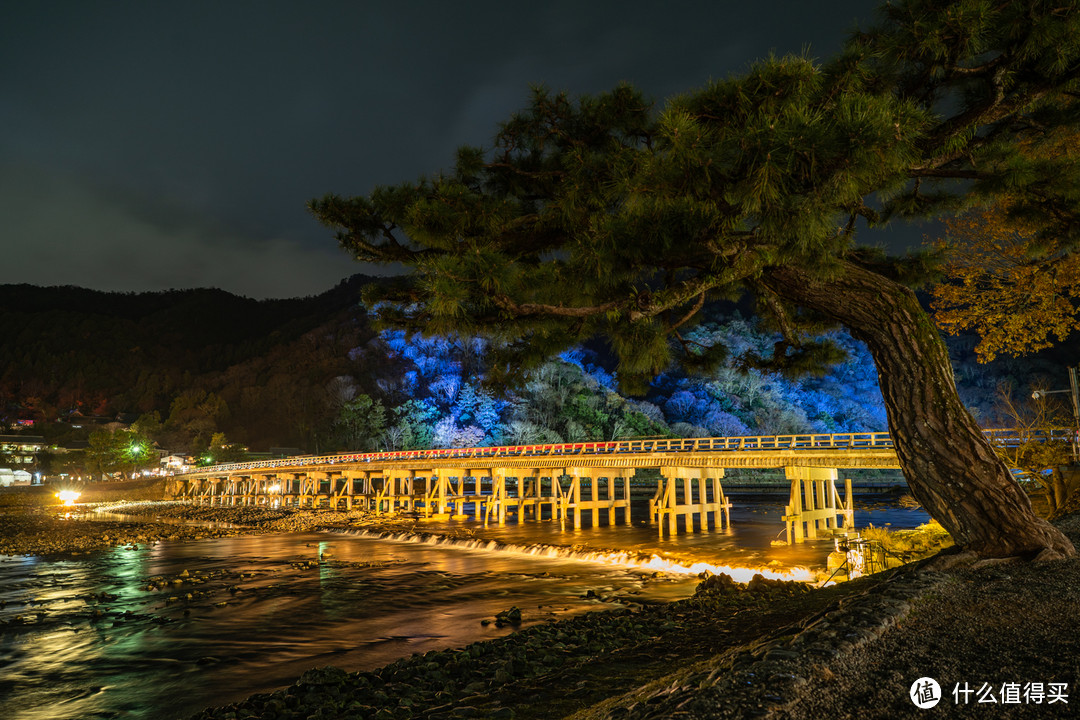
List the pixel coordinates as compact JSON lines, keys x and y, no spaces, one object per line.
{"x":606,"y":216}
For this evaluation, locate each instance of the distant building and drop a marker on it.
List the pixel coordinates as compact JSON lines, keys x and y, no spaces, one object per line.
{"x":177,"y":463}
{"x":78,"y":420}
{"x":20,"y":449}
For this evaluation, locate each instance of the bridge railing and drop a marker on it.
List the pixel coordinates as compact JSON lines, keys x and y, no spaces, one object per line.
{"x":634,"y":446}
{"x":615,"y":447}
{"x":1011,"y":437}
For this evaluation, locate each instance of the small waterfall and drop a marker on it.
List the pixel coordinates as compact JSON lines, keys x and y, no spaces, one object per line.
{"x":619,"y":558}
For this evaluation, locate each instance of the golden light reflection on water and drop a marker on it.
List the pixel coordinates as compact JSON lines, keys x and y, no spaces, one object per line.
{"x":738,"y":574}
{"x":626,"y":560}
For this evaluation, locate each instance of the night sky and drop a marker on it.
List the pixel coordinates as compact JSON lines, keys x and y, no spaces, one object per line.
{"x":151,"y":145}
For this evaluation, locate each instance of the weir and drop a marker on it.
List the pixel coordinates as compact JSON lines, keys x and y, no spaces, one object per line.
{"x":568,"y":482}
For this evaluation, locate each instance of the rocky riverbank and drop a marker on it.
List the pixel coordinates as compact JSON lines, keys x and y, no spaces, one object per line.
{"x":544,"y":671}
{"x":765,"y":649}
{"x":38,"y":525}
{"x":1010,"y":631}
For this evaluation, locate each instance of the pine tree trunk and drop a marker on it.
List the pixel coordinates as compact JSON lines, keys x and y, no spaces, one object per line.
{"x":949,"y":465}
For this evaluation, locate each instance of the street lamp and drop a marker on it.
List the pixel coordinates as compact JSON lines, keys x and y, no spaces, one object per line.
{"x":136,"y":450}
{"x":1043,"y":393}
{"x":1074,"y":388}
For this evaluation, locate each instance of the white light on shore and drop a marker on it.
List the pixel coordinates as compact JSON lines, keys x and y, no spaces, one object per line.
{"x":68,"y":497}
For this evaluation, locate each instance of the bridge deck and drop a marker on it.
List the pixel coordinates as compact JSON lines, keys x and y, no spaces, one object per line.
{"x":772,"y":451}
{"x":525,"y":479}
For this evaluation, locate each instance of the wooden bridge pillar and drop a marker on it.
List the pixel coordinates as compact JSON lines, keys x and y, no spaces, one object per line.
{"x":452,"y":495}
{"x":399,"y":489}
{"x":627,"y":476}
{"x":259,"y":491}
{"x":499,"y":496}
{"x":612,"y":491}
{"x":516,"y":490}
{"x":553,"y":498}
{"x":441,"y":496}
{"x":665,"y":503}
{"x":231,"y":484}
{"x":459,"y":506}
{"x":283,"y":496}
{"x":570,"y":500}
{"x":352,"y":479}
{"x":313,"y":483}
{"x":477,"y":476}
{"x":815,"y":500}
{"x":420,"y":487}
{"x":528,"y":493}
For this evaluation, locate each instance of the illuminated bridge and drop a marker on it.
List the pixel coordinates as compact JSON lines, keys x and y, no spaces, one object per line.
{"x":561,"y":481}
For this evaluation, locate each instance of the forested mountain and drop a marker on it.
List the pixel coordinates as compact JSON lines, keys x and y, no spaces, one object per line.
{"x":311,"y":373}
{"x":69,"y":350}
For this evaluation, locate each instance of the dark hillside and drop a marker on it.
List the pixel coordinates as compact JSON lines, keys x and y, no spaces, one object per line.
{"x":70,"y":348}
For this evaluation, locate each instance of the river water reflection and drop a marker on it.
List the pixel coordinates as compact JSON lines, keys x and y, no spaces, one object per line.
{"x":85,"y":638}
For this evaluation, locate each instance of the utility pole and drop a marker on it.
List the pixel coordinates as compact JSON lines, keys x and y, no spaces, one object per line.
{"x":1074,"y":391}
{"x":1075,"y":386}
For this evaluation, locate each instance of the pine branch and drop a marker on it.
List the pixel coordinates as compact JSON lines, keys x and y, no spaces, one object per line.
{"x":951,"y":174}
{"x":532,"y":309}
{"x":693,"y":311}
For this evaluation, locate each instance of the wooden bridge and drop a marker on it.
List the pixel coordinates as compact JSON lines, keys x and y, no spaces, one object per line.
{"x":562,"y":481}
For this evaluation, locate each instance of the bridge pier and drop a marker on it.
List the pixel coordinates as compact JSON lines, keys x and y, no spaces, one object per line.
{"x":440,"y":495}
{"x":290,"y":492}
{"x":528,"y":489}
{"x":814,"y":500}
{"x":552,"y":480}
{"x":665,"y":503}
{"x":568,"y":502}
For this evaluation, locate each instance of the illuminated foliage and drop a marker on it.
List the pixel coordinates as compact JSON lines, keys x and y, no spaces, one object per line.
{"x":1042,"y":461}
{"x":360,"y":422}
{"x":1008,"y":275}
{"x":119,"y":451}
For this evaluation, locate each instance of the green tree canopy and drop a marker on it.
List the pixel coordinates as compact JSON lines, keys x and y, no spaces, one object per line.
{"x":608,"y":216}
{"x":123,"y":451}
{"x":360,"y":423}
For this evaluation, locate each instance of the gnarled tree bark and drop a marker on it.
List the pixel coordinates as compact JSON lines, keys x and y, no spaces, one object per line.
{"x":949,"y":465}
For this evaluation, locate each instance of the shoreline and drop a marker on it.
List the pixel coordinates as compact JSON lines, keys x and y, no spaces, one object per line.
{"x":765,"y":648}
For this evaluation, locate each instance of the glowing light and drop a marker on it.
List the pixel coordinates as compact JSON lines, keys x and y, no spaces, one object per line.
{"x":738,"y":574}
{"x":623,"y":559}
{"x":274,"y":488}
{"x":68,"y":497}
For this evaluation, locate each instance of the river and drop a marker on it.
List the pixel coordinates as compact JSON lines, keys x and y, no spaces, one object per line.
{"x":115,"y":635}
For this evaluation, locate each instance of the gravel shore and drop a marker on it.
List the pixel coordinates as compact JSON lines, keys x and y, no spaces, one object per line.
{"x":1008,"y":632}
{"x":993,"y":631}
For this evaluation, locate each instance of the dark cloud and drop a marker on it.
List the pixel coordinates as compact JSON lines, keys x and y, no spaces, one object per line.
{"x":154,"y":145}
